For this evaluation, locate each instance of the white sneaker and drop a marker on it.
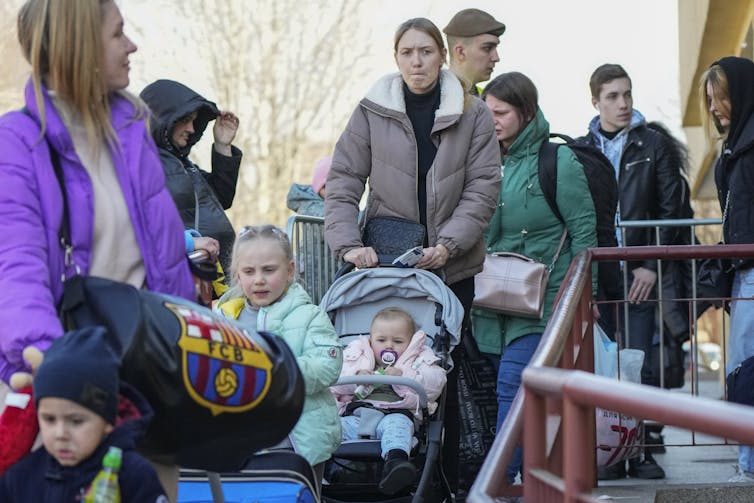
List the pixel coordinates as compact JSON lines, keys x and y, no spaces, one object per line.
{"x":742,"y":477}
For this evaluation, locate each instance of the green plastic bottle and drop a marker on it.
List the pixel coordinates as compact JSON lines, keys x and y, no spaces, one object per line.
{"x":105,"y":488}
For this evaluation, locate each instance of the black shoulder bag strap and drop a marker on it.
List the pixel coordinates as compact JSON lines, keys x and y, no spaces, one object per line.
{"x":73,"y":288}
{"x":547,"y":172}
{"x":73,"y":293}
{"x":64,"y":232}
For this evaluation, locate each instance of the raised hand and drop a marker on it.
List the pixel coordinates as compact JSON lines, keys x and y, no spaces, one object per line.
{"x":224,"y":131}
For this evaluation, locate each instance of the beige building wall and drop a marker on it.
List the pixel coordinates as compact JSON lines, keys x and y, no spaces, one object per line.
{"x":708,"y":30}
{"x":692,"y":16}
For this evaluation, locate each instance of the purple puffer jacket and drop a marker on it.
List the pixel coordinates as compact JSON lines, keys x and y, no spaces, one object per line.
{"x":31,"y":260}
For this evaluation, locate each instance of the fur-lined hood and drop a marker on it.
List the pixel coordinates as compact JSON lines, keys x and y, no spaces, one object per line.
{"x":387,"y":93}
{"x":379,"y":146}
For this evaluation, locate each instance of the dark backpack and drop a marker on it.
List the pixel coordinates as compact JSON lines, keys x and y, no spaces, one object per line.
{"x":603,"y":186}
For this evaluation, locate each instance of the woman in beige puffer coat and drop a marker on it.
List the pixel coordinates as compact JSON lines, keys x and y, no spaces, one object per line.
{"x":429,"y":153}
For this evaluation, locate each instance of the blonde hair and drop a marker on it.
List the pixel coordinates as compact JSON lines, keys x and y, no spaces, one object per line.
{"x":62,"y":41}
{"x":420,"y":24}
{"x":250,"y":233}
{"x":395,"y":313}
{"x":715,"y":76}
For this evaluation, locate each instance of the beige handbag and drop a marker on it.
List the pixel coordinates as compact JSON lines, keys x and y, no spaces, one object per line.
{"x":513,"y":284}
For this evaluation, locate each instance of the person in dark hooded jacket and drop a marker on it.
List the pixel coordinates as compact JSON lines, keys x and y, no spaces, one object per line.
{"x":728,"y":101}
{"x":179,"y":118}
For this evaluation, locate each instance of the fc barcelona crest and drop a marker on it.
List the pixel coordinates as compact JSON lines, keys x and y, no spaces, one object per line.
{"x":223,"y":369}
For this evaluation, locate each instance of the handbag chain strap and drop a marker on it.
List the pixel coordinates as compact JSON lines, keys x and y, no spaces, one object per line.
{"x":725,"y":216}
{"x":557,"y":252}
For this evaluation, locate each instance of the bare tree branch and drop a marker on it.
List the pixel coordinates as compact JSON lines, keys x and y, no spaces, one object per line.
{"x":283,"y":67}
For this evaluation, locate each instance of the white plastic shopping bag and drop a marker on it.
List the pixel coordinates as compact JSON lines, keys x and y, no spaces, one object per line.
{"x":618,"y":435}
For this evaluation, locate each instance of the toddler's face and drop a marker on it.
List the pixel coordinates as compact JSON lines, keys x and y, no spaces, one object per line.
{"x":394,"y":335}
{"x":70,"y":432}
{"x":264,"y":272}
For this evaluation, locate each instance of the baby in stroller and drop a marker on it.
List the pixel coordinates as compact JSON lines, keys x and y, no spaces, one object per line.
{"x":356,"y":468}
{"x":394,"y":347}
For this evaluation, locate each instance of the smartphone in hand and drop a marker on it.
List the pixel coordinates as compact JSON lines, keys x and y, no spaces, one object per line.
{"x":409,"y":258}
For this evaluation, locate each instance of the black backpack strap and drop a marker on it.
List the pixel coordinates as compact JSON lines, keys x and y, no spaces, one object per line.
{"x":548,"y":174}
{"x":566,"y":139}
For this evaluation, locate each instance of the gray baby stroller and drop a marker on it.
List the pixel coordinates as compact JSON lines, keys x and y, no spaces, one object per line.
{"x":352,"y":301}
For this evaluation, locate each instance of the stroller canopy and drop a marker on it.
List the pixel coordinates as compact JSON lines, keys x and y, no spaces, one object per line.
{"x":392,"y":284}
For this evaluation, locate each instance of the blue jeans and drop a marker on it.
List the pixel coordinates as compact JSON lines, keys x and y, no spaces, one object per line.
{"x":741,"y":341}
{"x":395,"y":431}
{"x":516,"y":357}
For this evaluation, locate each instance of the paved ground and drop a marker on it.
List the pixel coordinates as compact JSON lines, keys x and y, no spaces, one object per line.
{"x":704,"y":467}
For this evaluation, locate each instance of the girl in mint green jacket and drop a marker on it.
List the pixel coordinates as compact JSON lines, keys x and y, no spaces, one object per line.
{"x":265,"y":297}
{"x":524,"y":223}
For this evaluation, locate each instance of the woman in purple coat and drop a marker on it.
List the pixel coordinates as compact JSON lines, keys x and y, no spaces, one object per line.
{"x":124,"y":225}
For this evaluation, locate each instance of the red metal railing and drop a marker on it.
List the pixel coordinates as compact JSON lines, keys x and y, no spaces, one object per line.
{"x":567,"y":343}
{"x":578,"y":393}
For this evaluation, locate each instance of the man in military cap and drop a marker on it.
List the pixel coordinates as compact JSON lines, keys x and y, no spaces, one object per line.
{"x":473,"y":37}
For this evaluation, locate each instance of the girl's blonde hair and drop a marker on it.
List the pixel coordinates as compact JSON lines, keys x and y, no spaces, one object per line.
{"x":716,"y":77}
{"x":248,"y":234}
{"x":62,"y":41}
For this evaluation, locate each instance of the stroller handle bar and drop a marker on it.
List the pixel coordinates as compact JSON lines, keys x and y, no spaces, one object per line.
{"x":386,"y":379}
{"x":199,"y":255}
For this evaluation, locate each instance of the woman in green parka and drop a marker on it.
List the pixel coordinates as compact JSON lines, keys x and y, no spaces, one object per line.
{"x":524,"y":223}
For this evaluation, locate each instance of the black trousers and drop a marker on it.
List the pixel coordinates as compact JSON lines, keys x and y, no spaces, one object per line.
{"x":464,"y":290}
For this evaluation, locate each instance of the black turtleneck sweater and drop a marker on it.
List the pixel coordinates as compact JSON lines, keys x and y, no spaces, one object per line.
{"x":420,"y":109}
{"x":610,"y":134}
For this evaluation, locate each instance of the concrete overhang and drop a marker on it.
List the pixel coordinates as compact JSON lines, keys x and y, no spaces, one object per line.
{"x":725,"y":29}
{"x":726,"y":26}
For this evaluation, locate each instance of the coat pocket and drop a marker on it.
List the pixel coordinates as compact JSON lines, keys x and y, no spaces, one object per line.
{"x":638,"y":164}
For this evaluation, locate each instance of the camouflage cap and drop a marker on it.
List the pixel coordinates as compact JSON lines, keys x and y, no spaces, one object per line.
{"x":473,"y":22}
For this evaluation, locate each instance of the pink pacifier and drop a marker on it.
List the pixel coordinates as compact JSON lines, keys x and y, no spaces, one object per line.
{"x":388,"y":356}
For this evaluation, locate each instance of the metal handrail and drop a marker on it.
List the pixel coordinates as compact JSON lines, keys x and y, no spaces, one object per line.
{"x":575,"y":289}
{"x":675,"y":222}
{"x":696,"y":413}
{"x":693,"y":225}
{"x":580,"y":392}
